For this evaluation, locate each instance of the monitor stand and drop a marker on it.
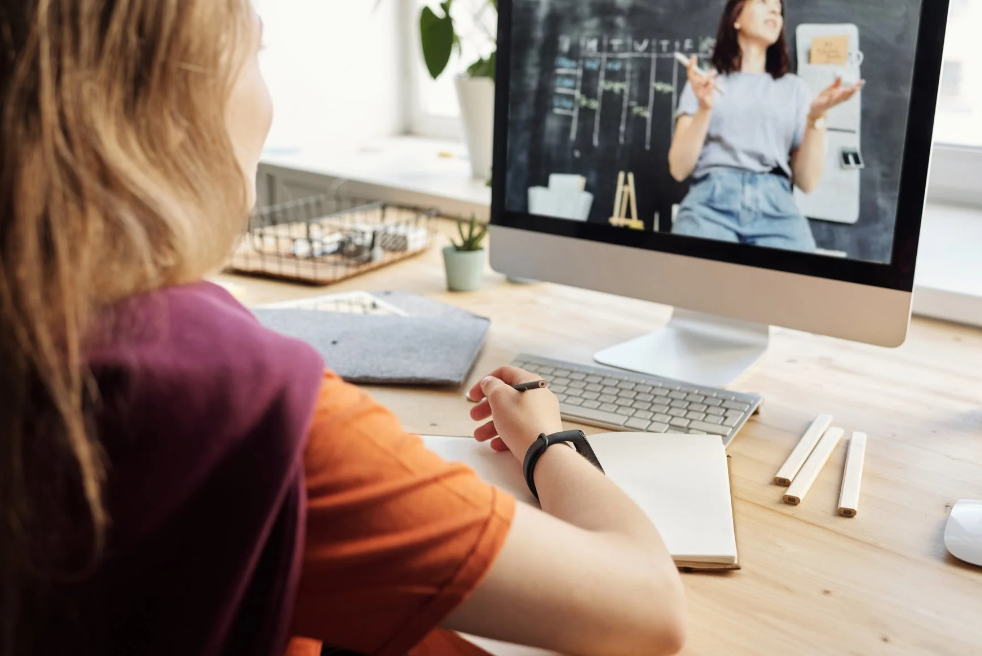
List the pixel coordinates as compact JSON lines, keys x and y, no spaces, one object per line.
{"x":697,"y":348}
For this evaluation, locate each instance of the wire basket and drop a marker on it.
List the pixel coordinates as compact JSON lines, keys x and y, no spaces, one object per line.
{"x":328,"y":238}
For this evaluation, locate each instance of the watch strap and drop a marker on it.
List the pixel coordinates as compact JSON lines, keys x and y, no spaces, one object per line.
{"x":575,"y":437}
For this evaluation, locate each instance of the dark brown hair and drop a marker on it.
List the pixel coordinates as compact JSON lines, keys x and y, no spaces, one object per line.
{"x":727,"y":56}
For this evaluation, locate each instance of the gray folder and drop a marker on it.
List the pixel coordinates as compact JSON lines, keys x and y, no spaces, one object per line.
{"x":436,"y":344}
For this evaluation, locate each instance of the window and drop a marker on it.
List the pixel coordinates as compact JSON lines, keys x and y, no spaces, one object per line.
{"x":436,"y":112}
{"x":951,"y":80}
{"x":959,"y":116}
{"x":957,"y":166}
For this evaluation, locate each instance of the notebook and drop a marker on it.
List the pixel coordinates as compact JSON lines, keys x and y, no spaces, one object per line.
{"x":681,"y":482}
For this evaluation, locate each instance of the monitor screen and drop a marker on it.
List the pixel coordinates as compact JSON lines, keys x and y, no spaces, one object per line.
{"x":757,"y":125}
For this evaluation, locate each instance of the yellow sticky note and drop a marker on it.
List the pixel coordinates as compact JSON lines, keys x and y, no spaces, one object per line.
{"x":830,"y":50}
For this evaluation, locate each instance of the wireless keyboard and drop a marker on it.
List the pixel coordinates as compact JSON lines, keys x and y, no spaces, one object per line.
{"x":619,"y":400}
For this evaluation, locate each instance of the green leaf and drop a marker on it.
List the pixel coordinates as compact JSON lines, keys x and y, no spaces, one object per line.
{"x":437,"y":36}
{"x":480,"y":237}
{"x":483,"y":67}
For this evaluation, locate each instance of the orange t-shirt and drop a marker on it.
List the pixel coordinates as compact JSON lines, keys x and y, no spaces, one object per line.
{"x":396,"y":537}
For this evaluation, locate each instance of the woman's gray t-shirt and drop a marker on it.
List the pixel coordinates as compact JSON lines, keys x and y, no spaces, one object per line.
{"x":756,"y":125}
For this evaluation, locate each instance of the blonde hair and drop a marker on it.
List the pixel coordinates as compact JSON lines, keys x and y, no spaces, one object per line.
{"x":117,"y":177}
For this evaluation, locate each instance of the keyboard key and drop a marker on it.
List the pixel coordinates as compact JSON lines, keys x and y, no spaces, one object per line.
{"x":677,"y":395}
{"x":545,"y":371}
{"x":716,"y":411}
{"x":607,"y":398}
{"x":558,"y":389}
{"x":637,"y":424}
{"x":610,"y":381}
{"x":590,"y":396}
{"x":577,"y":384}
{"x":627,"y":412}
{"x":608,"y":407}
{"x":695,"y":398}
{"x":698,"y":407}
{"x":657,"y":427}
{"x":677,"y":412}
{"x":742,"y":407}
{"x":644,"y":414}
{"x":627,"y":394}
{"x":644,"y":389}
{"x":595,"y":415}
{"x":577,"y":375}
{"x":657,"y":407}
{"x":713,"y":402}
{"x":664,"y":419}
{"x":645,"y":397}
{"x":696,"y":416}
{"x":714,"y":420}
{"x":574,"y":392}
{"x":591,"y":404}
{"x":609,"y":389}
{"x":660,"y":391}
{"x":679,"y":404}
{"x":641,"y":405}
{"x":712,"y":429}
{"x":679,"y":422}
{"x":731,"y":421}
{"x":573,"y":401}
{"x":675,"y":431}
{"x":626,"y":384}
{"x":559,"y":380}
{"x":593,"y":387}
{"x":594,"y":378}
{"x":734,"y":413}
{"x":688,"y":390}
{"x":561,"y":397}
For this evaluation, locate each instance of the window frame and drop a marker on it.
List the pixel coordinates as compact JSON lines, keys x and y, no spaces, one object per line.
{"x":955,"y":175}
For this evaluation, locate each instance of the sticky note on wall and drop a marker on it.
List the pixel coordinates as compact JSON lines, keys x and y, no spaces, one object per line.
{"x":830,"y":50}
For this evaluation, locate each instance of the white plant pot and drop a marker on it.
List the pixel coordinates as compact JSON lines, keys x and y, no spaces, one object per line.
{"x":476,"y":98}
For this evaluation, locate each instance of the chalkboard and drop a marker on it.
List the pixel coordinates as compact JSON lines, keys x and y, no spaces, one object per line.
{"x":594,"y":84}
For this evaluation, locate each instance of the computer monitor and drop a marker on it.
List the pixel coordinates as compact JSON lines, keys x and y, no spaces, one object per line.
{"x":748,"y":190}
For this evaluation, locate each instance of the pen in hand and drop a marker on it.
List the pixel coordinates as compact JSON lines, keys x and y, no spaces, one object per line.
{"x":525,"y":387}
{"x":521,"y":387}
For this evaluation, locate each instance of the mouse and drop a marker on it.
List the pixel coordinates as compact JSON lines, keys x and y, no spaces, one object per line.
{"x":963,"y":533}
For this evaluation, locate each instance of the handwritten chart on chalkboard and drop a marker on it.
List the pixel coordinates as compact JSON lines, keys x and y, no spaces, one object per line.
{"x":601,"y":75}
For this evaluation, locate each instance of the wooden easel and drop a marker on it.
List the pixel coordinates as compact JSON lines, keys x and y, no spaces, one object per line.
{"x":626,"y":195}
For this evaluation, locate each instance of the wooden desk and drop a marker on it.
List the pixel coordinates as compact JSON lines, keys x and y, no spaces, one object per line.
{"x":812,"y":582}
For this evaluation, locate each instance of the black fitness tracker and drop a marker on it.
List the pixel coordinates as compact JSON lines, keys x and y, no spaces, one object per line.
{"x":575,"y":437}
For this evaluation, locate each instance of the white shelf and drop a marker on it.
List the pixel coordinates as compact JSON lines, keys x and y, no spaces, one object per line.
{"x":417,"y":170}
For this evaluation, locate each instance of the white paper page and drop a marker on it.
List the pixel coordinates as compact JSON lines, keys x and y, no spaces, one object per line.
{"x":680,"y":481}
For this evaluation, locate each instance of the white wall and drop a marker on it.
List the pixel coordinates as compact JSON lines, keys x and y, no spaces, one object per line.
{"x":333,"y":68}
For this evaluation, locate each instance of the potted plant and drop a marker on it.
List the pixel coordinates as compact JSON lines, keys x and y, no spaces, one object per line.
{"x":465,"y":260}
{"x":475,"y":88}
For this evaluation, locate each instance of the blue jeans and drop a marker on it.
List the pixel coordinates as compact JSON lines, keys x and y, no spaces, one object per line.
{"x":746,"y":208}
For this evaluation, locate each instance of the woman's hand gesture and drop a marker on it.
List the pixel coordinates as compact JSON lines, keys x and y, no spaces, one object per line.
{"x":834,"y":95}
{"x":704,"y":86}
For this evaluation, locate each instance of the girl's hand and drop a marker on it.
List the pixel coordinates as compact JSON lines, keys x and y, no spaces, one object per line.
{"x":703,"y":86}
{"x":517,"y":418}
{"x":833,"y":96}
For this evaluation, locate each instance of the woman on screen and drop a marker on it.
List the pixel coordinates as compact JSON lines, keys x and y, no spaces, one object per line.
{"x":748,"y":132}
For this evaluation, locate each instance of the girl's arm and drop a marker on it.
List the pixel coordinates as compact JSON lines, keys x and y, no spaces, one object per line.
{"x":589,"y":573}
